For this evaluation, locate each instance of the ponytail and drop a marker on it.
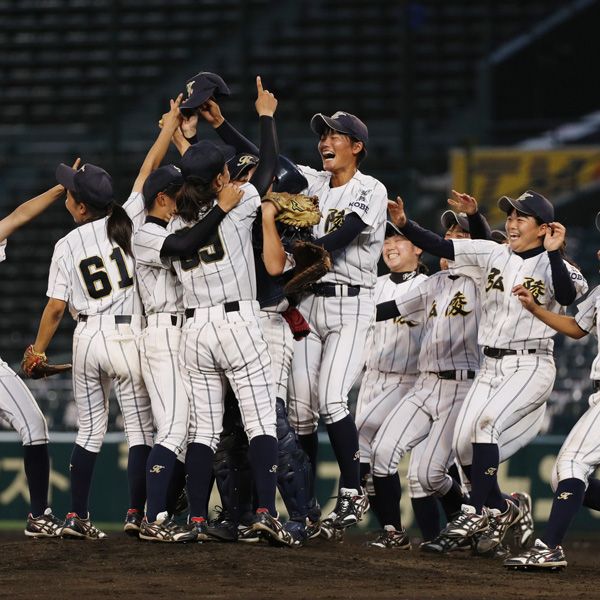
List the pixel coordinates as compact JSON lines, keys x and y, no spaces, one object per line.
{"x":119,"y":228}
{"x":194,"y":197}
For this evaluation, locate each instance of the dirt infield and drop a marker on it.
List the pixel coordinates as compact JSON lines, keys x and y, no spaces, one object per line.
{"x":120,"y":567}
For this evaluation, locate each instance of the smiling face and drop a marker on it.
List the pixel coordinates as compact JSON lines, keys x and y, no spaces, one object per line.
{"x":338,"y":151}
{"x":455,"y":232}
{"x":400,"y":255}
{"x":524,"y":232}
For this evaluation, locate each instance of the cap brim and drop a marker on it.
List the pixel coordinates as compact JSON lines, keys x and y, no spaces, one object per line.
{"x":319,"y":123}
{"x":65,"y":175}
{"x":197,"y":99}
{"x":506,"y":204}
{"x":499,"y":236}
{"x":391,"y":229}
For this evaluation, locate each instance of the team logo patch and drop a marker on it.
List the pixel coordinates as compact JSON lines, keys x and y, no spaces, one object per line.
{"x":564,"y":495}
{"x":273,"y":469}
{"x":536,"y":287}
{"x":335,"y":219}
{"x":491,"y":471}
{"x":457,"y":306}
{"x":190,"y":87}
{"x":361,"y":201}
{"x":157,"y":469}
{"x":357,"y":455}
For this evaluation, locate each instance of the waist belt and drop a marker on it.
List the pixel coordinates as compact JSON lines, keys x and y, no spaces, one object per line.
{"x":596,"y":384}
{"x":501,"y":352}
{"x":227,"y":307}
{"x":119,"y":319}
{"x":334,"y":289}
{"x":452,"y":374}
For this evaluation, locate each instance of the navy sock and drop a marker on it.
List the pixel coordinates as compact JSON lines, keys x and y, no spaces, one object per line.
{"x":427,"y":516}
{"x":37,"y":469}
{"x":199,"y":470}
{"x":344,"y":441}
{"x":310,"y":445}
{"x":454,"y":473}
{"x":451,"y":501}
{"x":159,"y":472}
{"x":176,"y":486}
{"x":467,"y":471}
{"x":388,"y":492}
{"x":136,"y":476}
{"x":263,"y":454}
{"x":567,"y":501}
{"x":484,"y":478}
{"x":592,"y":494}
{"x":82,"y":468}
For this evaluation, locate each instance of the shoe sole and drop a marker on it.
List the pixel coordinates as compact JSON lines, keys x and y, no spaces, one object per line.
{"x":273,"y":537}
{"x":149,"y":538}
{"x":406,"y":547}
{"x":558,"y":566}
{"x":39,"y":534}
{"x":75,"y":535}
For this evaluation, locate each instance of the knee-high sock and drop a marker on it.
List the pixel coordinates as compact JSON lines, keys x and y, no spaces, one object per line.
{"x":344,"y":441}
{"x":388,"y":492}
{"x":592,"y":494}
{"x":159,"y":473}
{"x":199,"y":470}
{"x":82,"y":469}
{"x":310,"y":445}
{"x":136,"y":475}
{"x":176,"y":486}
{"x":427,"y":516}
{"x":567,"y":501}
{"x":37,"y":469}
{"x":484,"y":478}
{"x":452,"y":500}
{"x":263,"y":460}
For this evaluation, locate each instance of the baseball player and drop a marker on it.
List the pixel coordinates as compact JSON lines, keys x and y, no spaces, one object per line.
{"x":18,"y":406}
{"x":572,"y":477}
{"x":92,"y":273}
{"x":518,"y":370}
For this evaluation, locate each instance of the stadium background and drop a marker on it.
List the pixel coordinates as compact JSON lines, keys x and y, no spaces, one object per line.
{"x":485,"y":96}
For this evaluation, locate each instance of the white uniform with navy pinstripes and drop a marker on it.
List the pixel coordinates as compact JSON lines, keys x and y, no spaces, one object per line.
{"x":327,"y":362}
{"x":96,"y":278}
{"x":17,"y":405}
{"x":580,"y":452}
{"x":162,"y":296}
{"x":391,"y":363}
{"x":508,"y":389}
{"x":216,"y":343}
{"x":448,"y":307}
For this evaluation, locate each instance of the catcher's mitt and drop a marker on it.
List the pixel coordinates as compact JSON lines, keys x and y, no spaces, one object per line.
{"x":312,"y":262}
{"x":297,"y":210}
{"x":35,"y":365}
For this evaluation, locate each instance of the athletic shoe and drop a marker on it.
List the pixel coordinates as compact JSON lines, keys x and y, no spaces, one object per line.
{"x":298,"y":533}
{"x":313,"y":528}
{"x":499,"y":524}
{"x":165,"y":529}
{"x":466,"y":524}
{"x":76,"y":527}
{"x":247,"y":534}
{"x":200,"y":525}
{"x":46,"y":525}
{"x":222,"y":528}
{"x":523,"y":530}
{"x":133,"y":522}
{"x":350,"y":507}
{"x":443,"y":544}
{"x":329,"y":531}
{"x":270,"y":526}
{"x":539,"y":556}
{"x":390,"y":537}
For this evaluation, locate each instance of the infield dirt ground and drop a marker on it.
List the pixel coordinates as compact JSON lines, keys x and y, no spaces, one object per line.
{"x":120,"y":567}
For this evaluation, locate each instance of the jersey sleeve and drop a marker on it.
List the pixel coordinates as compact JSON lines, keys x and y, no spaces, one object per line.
{"x":412,"y":305}
{"x":147,"y":244}
{"x":135,"y":208}
{"x":471,"y":253}
{"x":370,"y":204}
{"x":586,"y":310}
{"x":312,"y":175}
{"x":581,"y":285}
{"x":245,"y":211}
{"x":3,"y":251}
{"x":59,"y":281}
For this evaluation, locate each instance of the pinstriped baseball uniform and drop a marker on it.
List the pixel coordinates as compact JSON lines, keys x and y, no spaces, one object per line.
{"x":509,"y":388}
{"x":17,"y":405}
{"x":162,"y":296}
{"x":95,"y":277}
{"x":580,"y":452}
{"x":224,"y":337}
{"x":391,"y":363}
{"x":327,"y":362}
{"x":448,"y":306}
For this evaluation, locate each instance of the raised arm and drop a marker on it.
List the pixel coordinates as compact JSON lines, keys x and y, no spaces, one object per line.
{"x":479,"y":228}
{"x":564,"y":287}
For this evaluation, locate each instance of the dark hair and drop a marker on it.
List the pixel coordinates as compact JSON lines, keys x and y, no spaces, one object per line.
{"x":171,"y":190}
{"x":119,"y":227}
{"x":194,"y":197}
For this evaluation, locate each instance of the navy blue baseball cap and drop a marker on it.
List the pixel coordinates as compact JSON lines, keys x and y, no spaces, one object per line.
{"x":91,"y":184}
{"x":529,"y":203}
{"x":159,"y":180}
{"x":342,"y":122}
{"x":201,"y":87}
{"x":241,"y":164}
{"x":205,"y":160}
{"x":499,"y":236}
{"x":450,"y":218}
{"x":288,"y":177}
{"x":391,"y":230}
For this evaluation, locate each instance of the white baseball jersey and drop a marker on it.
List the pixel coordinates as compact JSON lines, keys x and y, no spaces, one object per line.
{"x":136,"y":209}
{"x":93,"y":274}
{"x":367,"y":197}
{"x":587,"y":319}
{"x":394,"y":344}
{"x":505,"y":323}
{"x":157,"y":282}
{"x":448,"y":306}
{"x":223,"y":270}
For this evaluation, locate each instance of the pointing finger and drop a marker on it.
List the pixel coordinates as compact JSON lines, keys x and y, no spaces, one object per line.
{"x":259,"y":86}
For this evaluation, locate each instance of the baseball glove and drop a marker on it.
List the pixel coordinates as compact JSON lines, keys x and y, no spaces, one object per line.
{"x":35,"y":365}
{"x":312,"y":262}
{"x":296,"y":210}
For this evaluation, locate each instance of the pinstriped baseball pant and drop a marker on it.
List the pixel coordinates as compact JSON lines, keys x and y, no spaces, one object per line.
{"x":103,"y":353}
{"x":505,"y":392}
{"x":19,"y":408}
{"x":580,"y":452}
{"x":280,"y":341}
{"x":218,"y":345}
{"x":329,"y":360}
